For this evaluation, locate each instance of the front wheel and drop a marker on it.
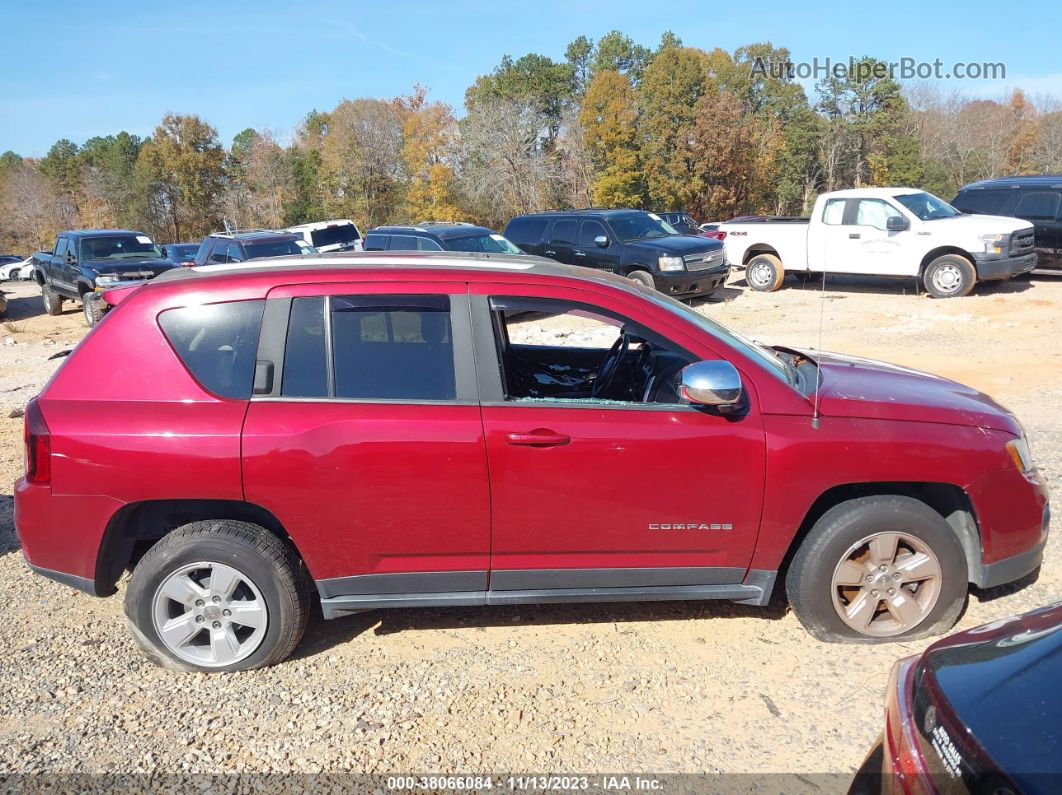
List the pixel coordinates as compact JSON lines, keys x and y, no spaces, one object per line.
{"x":92,"y":309}
{"x":878,"y":569}
{"x":642,"y":277}
{"x":217,"y":596}
{"x":764,"y":273}
{"x":950,"y":276}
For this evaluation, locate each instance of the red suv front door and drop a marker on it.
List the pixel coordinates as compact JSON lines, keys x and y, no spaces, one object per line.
{"x":364,"y":438}
{"x":599,"y":492}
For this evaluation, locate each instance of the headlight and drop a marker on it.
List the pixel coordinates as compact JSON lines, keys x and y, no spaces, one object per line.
{"x":994,"y":244}
{"x":672,"y":264}
{"x":107,"y":279}
{"x":1021,"y":455}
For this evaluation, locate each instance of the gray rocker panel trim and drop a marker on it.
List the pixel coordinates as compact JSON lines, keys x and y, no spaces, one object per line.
{"x":755,"y":590}
{"x":538,"y":579}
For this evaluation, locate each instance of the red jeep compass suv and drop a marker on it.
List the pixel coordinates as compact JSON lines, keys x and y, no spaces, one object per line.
{"x":405,"y":430}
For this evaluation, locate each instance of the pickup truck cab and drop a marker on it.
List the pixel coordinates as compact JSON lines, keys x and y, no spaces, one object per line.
{"x":85,"y":261}
{"x":385,"y":430}
{"x":901,"y":232}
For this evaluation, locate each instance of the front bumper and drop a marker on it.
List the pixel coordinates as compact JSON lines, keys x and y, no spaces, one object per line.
{"x":1004,"y":268}
{"x":691,"y":282}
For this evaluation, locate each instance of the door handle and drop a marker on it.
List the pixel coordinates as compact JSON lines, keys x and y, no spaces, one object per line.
{"x":854,"y":236}
{"x":549,"y":253}
{"x":540,"y":437}
{"x":580,"y":253}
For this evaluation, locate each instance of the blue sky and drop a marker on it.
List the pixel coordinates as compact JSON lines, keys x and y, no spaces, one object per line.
{"x":78,"y":69}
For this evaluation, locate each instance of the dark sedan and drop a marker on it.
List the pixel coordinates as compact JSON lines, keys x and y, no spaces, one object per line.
{"x":979,"y":712}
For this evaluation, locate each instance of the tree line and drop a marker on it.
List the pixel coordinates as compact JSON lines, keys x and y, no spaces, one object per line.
{"x":614,"y":123}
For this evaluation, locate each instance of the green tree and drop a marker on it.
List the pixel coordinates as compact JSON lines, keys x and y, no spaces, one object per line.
{"x":183,"y":168}
{"x":578,"y":55}
{"x":674,"y":81}
{"x":609,"y":118}
{"x":618,"y":53}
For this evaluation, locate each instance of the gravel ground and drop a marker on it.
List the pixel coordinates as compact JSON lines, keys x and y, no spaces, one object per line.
{"x":661,"y":687}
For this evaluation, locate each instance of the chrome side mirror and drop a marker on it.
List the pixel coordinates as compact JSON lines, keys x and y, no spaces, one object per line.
{"x":711,"y":383}
{"x":601,"y":241}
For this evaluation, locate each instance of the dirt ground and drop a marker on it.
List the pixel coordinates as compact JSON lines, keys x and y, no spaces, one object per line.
{"x":657,"y":687}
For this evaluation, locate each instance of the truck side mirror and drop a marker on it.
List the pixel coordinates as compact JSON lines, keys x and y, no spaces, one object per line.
{"x":711,"y":383}
{"x":897,"y":223}
{"x":601,"y":241}
{"x":71,"y":259}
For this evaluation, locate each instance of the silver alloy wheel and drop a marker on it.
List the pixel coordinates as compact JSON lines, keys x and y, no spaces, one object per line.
{"x":947,"y":278}
{"x":759,"y":274}
{"x":210,"y":614}
{"x":886,"y":584}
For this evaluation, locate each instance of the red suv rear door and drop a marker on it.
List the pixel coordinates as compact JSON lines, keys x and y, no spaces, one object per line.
{"x":364,"y":437}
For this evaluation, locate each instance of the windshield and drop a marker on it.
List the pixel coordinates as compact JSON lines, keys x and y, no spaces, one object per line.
{"x":640,"y":226}
{"x":274,"y":248}
{"x":340,"y":234}
{"x":488,"y":243}
{"x":182,"y":252}
{"x":927,"y":206}
{"x":752,"y":350}
{"x":118,"y":247}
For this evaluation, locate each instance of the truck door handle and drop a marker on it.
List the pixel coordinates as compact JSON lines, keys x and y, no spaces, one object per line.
{"x":549,"y":253}
{"x":854,"y":236}
{"x":539,"y":437}
{"x":580,"y":253}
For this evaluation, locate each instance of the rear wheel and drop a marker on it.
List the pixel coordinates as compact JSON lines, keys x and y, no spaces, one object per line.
{"x":877,"y":569}
{"x":950,"y":276}
{"x":642,"y":277}
{"x":53,"y":304}
{"x":217,"y":596}
{"x":764,"y":273}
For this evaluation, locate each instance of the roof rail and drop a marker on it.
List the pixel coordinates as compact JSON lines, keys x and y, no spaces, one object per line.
{"x":444,"y":223}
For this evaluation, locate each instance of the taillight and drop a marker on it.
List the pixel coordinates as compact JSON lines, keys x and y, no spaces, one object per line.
{"x":903,"y":758}
{"x":38,"y":446}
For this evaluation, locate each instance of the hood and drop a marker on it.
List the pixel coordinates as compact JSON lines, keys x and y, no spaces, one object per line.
{"x":983,"y":224}
{"x":153,"y":264}
{"x":1001,"y":682}
{"x":856,"y":387}
{"x":677,"y":245}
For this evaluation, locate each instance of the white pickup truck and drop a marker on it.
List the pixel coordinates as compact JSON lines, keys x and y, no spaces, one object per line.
{"x":884,"y":232}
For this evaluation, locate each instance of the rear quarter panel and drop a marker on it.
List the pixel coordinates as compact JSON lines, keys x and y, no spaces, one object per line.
{"x":789,"y":240}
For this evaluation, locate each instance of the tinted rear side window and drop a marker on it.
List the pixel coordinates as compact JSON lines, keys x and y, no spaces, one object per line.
{"x":525,"y":230}
{"x":563,"y":232}
{"x":397,"y":347}
{"x":1041,"y":205}
{"x":218,"y":343}
{"x":375,"y":242}
{"x":305,"y":355}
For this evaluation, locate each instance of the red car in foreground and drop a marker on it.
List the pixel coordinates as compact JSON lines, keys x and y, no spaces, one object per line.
{"x":978,"y":712}
{"x":409,"y":430}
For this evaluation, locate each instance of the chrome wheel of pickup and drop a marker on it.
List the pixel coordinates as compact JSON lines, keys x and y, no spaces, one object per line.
{"x":210,"y":614}
{"x":886,"y":584}
{"x":947,"y":278}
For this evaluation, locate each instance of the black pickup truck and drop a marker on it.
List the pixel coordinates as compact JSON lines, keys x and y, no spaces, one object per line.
{"x":86,"y":261}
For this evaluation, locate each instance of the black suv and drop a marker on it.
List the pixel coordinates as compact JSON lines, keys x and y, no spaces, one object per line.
{"x":223,"y":247}
{"x":1037,"y":200}
{"x":438,"y":236}
{"x":681,"y":222}
{"x":632,"y":243}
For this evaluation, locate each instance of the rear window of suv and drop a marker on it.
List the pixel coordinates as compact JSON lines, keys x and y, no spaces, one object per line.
{"x":217,"y":343}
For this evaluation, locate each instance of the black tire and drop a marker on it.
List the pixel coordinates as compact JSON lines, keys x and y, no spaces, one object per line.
{"x":810,"y":580}
{"x":254,"y":552}
{"x":764,"y":273}
{"x":949,"y":276}
{"x":53,"y":303}
{"x":642,"y":277}
{"x":92,"y":309}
